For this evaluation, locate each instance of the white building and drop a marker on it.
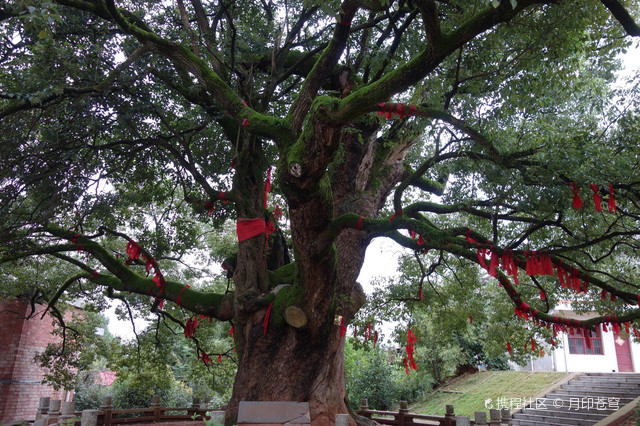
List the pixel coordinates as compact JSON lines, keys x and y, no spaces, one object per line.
{"x":610,"y":352}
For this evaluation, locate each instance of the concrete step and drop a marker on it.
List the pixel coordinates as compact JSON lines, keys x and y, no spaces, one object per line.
{"x":579,"y":392}
{"x":585,"y":400}
{"x":526,"y":419}
{"x":563,"y":414}
{"x":604,"y":382}
{"x":569,"y":397}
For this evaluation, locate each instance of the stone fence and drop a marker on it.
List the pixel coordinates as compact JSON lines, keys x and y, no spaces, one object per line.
{"x":53,"y":412}
{"x":404,"y":417}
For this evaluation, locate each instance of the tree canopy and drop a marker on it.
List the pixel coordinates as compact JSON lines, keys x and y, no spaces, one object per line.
{"x":475,"y":133}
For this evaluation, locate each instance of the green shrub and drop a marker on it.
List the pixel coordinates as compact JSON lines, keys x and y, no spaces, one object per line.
{"x":378,"y":375}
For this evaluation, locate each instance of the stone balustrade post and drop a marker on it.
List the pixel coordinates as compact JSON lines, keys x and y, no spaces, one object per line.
{"x":43,"y":407}
{"x":481,"y":418}
{"x":89,"y":418}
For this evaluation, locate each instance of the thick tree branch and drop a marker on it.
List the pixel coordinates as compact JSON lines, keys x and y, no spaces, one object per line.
{"x":623,"y":16}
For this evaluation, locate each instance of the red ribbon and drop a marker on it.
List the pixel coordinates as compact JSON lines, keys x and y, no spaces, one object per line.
{"x":470,"y":319}
{"x":265,"y":322}
{"x":468,"y":237}
{"x":151,"y":263}
{"x":209,"y":206}
{"x":616,"y":328}
{"x":399,"y":213}
{"x":612,"y":201}
{"x":577,"y":201}
{"x":180,"y":294}
{"x":133,"y":250}
{"x":612,"y":297}
{"x":245,"y":122}
{"x":249,"y":228}
{"x":190,"y":327}
{"x":542,"y":295}
{"x":533,"y":345}
{"x":359,"y":227}
{"x":267,"y":187}
{"x":596,"y":197}
{"x":406,"y":365}
{"x":73,"y":240}
{"x":481,"y":253}
{"x":411,"y":339}
{"x":375,"y":339}
{"x":495,"y":261}
{"x":221,"y":197}
{"x":509,"y":348}
{"x":343,"y":328}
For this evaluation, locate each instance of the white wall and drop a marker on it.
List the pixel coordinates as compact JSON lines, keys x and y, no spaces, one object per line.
{"x":605,"y":363}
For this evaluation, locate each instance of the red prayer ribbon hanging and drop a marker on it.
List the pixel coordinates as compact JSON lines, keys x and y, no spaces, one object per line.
{"x":359,"y":226}
{"x":265,"y":322}
{"x":577,"y":201}
{"x":267,"y":187}
{"x":190,"y":327}
{"x":343,"y":328}
{"x":133,"y":250}
{"x":597,"y":202}
{"x":411,"y":339}
{"x":612,"y":201}
{"x":509,"y":348}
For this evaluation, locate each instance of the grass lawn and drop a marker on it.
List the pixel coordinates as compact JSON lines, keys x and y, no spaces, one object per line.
{"x":469,"y":393}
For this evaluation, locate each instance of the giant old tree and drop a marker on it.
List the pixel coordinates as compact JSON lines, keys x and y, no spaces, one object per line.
{"x":129,"y":127}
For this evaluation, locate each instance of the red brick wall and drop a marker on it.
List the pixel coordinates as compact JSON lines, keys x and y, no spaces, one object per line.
{"x":20,"y":376}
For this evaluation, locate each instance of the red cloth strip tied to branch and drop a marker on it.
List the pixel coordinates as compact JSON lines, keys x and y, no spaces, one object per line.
{"x":575,"y":190}
{"x":509,"y":265}
{"x":133,"y":250}
{"x":468,"y":237}
{"x":249,"y":228}
{"x":221,"y":197}
{"x":190,"y":327}
{"x":411,"y":339}
{"x":265,"y":322}
{"x":180,"y":294}
{"x":611,"y":204}
{"x":396,"y":214}
{"x":495,"y":262}
{"x":267,"y":187}
{"x":597,"y":201}
{"x":509,"y":348}
{"x":481,"y":255}
{"x":545,"y":265}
